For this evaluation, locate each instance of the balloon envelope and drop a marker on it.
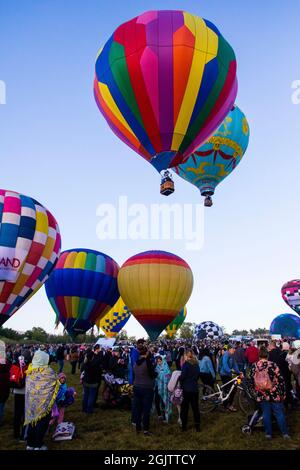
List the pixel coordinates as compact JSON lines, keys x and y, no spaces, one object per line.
{"x":290,"y":292}
{"x":219,"y":156}
{"x":82,"y":288}
{"x":174,"y":326}
{"x":164,"y":82}
{"x":286,"y":324}
{"x":208,"y":330}
{"x":29,"y":248}
{"x":155,"y":285}
{"x":113,"y":322}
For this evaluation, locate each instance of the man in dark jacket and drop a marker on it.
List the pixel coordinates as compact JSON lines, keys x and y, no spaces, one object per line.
{"x":274,"y":353}
{"x":143,"y":390}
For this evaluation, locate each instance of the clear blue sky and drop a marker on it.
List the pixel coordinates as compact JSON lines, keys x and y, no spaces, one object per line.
{"x":56,"y":147}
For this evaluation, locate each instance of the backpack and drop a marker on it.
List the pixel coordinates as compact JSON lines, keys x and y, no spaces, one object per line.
{"x":64,"y":432}
{"x":262,"y":380}
{"x":177,"y":395}
{"x":17,"y":376}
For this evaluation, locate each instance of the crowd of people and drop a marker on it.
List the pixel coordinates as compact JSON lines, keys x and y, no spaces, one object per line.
{"x":162,"y":377}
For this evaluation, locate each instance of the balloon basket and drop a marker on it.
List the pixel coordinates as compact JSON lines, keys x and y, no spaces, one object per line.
{"x":167,"y":188}
{"x":208,"y":201}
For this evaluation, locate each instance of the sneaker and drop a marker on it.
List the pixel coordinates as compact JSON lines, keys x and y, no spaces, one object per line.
{"x":179,"y":421}
{"x":41,"y":448}
{"x":286,"y":436}
{"x":29,"y":448}
{"x":268,"y":436}
{"x":148,"y":433}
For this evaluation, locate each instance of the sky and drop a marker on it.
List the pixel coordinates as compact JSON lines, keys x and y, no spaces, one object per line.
{"x":56,"y":147}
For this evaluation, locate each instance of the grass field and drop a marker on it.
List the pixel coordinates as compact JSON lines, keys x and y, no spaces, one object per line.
{"x":111,"y":430}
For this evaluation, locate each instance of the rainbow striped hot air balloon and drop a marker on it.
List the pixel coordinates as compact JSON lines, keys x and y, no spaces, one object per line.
{"x":155,"y":285}
{"x":164,"y":82}
{"x":219,"y":156}
{"x":113,"y":322}
{"x":82,"y":288}
{"x":174,"y":326}
{"x":29,"y":248}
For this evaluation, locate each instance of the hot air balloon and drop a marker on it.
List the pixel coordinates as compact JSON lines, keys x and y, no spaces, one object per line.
{"x":82,"y":288}
{"x":164,"y":82}
{"x":113,"y":322}
{"x":176,"y":323}
{"x":155,"y":285}
{"x":286,"y":324}
{"x":290,"y":292}
{"x":219,"y":156}
{"x":208,"y":330}
{"x":29,"y":248}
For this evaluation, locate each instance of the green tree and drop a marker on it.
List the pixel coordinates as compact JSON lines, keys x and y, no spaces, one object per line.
{"x":187,"y":330}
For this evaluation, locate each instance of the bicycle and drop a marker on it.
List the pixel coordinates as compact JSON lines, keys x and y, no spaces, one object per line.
{"x":211,"y":399}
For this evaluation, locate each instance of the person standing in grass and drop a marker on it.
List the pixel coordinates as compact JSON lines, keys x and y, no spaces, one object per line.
{"x":207,"y":371}
{"x":189,"y":377}
{"x":90,"y":381}
{"x":162,"y":400}
{"x":227,"y":367}
{"x":41,"y":389}
{"x":74,"y":356}
{"x":4,"y":380}
{"x":269,"y":388}
{"x":143,"y":390}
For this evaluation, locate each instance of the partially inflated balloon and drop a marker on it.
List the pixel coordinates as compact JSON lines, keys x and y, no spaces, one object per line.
{"x":164,"y":82}
{"x":29,"y":248}
{"x":219,"y":156}
{"x":82,"y":288}
{"x":176,"y":323}
{"x":113,"y":322}
{"x":208,"y":330}
{"x":290,"y":292}
{"x":286,"y":324}
{"x":155,"y":285}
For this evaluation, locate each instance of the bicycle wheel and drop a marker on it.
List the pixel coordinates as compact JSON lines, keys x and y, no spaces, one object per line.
{"x":246,"y":403}
{"x":206,"y":404}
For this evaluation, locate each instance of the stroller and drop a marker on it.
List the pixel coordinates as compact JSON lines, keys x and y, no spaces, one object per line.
{"x":117,"y":392}
{"x":254,"y":421}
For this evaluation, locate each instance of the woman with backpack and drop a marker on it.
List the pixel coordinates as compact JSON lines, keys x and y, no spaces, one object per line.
{"x":189,"y":377}
{"x":269,"y":388}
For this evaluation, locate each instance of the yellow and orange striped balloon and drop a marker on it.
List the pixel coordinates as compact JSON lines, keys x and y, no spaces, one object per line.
{"x":155,"y":285}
